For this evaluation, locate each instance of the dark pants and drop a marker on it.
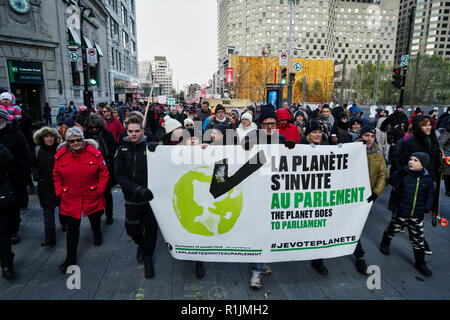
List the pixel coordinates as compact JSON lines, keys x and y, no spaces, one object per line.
{"x":14,"y":213}
{"x":415,"y":230}
{"x":359,"y":251}
{"x":109,"y":201}
{"x":141,"y":226}
{"x":73,"y":232}
{"x":49,"y":224}
{"x":6,"y":254}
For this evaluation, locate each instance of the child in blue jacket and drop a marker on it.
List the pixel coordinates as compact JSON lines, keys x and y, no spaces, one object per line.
{"x":414,"y":195}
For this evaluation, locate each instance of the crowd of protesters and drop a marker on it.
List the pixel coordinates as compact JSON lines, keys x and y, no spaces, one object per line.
{"x":93,"y":149}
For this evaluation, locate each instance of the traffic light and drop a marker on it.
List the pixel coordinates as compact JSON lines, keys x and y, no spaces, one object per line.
{"x":291,"y":78}
{"x":283,"y":76}
{"x":93,"y":75}
{"x":397,"y":78}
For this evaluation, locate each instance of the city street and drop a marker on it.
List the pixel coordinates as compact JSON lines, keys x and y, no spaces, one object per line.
{"x":111,"y":271}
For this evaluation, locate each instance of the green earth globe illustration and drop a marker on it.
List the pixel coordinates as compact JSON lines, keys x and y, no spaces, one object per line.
{"x":198,"y":211}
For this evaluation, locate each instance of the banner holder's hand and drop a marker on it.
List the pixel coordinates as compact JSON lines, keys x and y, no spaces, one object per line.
{"x":372,"y":197}
{"x":152,"y":146}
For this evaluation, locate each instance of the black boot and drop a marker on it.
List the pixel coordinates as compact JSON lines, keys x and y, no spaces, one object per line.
{"x":49,"y":243}
{"x":361,"y":266}
{"x":7,"y":269}
{"x":98,"y":240}
{"x":70,"y":261}
{"x":319,"y":266}
{"x":8,"y":273}
{"x":149,"y":272}
{"x":420,"y":265}
{"x":140,"y":254}
{"x":199,"y":270}
{"x":385,"y":243}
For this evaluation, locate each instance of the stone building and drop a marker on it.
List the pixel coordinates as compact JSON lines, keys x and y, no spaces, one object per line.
{"x":40,"y":44}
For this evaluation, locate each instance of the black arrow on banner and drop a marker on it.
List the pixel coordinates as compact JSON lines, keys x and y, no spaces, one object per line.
{"x":221,"y":183}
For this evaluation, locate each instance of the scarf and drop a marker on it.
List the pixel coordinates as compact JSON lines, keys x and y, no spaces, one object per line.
{"x":353,"y":133}
{"x":328,"y":122}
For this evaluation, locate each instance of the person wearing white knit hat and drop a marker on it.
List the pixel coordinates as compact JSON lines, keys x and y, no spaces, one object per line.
{"x":188,"y":123}
{"x":6,"y":96}
{"x":245,"y":126}
{"x":173,"y":131}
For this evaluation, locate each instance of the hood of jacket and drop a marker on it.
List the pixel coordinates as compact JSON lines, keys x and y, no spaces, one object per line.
{"x":87,"y":142}
{"x":39,"y":135}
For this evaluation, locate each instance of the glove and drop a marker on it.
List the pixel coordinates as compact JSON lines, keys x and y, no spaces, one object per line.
{"x":373,"y":197}
{"x":144,"y":193}
{"x":152,"y":146}
{"x":247,"y":144}
{"x":363,"y":141}
{"x":290,"y":144}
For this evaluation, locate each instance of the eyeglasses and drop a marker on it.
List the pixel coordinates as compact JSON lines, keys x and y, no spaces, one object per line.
{"x":189,"y":125}
{"x":74,"y":140}
{"x":105,"y":111}
{"x":268,"y":124}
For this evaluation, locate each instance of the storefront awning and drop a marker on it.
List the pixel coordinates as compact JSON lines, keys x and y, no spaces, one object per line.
{"x":88,"y":43}
{"x":74,"y":38}
{"x":99,"y":50}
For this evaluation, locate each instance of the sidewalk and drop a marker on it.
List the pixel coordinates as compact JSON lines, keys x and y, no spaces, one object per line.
{"x":111,"y":271}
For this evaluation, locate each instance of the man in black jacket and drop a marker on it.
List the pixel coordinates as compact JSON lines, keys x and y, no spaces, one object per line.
{"x":131,"y":174}
{"x":6,"y":254}
{"x":398,"y":116}
{"x":13,"y":139}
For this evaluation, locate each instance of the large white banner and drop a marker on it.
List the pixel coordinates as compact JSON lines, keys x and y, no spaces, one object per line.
{"x":268,"y":204}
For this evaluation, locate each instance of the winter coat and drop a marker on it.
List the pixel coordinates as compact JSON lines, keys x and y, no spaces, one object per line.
{"x":444,"y":143}
{"x":418,"y":143}
{"x":6,"y":189}
{"x":213,"y":121}
{"x":377,"y":170}
{"x":203,"y":115}
{"x":80,"y":180}
{"x":289,"y":131}
{"x":13,"y":139}
{"x":397,"y":117}
{"x":258,"y":136}
{"x":130,"y":165}
{"x":414,"y":194}
{"x":242,"y":131}
{"x":115,"y":127}
{"x":44,"y":161}
{"x":381,"y":137}
{"x":107,"y":146}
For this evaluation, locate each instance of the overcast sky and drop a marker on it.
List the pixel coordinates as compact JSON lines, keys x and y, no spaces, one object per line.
{"x":185,"y":31}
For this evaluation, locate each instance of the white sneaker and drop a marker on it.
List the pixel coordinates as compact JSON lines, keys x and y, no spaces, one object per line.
{"x":402,"y":229}
{"x":255,"y":281}
{"x":266,"y":269}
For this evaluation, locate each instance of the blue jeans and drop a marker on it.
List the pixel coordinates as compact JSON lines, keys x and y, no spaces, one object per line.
{"x":256,"y":267}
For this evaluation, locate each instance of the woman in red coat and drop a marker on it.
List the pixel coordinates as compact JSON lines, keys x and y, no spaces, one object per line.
{"x":112,"y":124}
{"x":80,"y":176}
{"x":285,"y":127}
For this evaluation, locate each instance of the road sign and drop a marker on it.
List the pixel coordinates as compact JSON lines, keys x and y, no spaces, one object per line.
{"x":73,"y":56}
{"x":283,"y":59}
{"x":91,"y":55}
{"x":297,"y":67}
{"x":171,"y":101}
{"x":229,"y":75}
{"x":404,"y":60}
